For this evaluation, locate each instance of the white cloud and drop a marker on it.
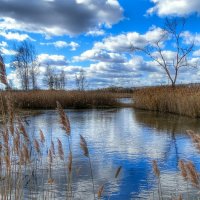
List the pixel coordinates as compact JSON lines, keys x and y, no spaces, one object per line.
{"x":8,"y":52}
{"x":124,"y":42}
{"x":70,"y":17}
{"x":169,"y":56}
{"x":196,"y":53}
{"x":190,"y":38}
{"x":96,"y":32}
{"x":15,"y":36}
{"x":62,"y":44}
{"x":175,"y":7}
{"x":58,"y":60}
{"x":100,"y":55}
{"x":3,"y":44}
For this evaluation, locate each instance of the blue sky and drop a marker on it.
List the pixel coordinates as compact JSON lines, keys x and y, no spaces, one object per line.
{"x":95,"y":35}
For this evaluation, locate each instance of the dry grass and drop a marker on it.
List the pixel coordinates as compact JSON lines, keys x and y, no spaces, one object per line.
{"x":42,"y":99}
{"x":181,"y":100}
{"x":25,"y":158}
{"x":22,"y":158}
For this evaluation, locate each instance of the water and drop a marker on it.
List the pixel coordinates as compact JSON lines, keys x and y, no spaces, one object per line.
{"x":125,"y":100}
{"x":121,"y":137}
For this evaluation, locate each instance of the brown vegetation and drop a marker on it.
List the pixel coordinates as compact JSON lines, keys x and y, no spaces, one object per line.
{"x":46,"y":99}
{"x":183,"y":100}
{"x":23,"y":158}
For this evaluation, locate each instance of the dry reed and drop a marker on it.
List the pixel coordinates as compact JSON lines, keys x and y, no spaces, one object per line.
{"x":183,"y":100}
{"x":183,"y":169}
{"x":84,"y":147}
{"x":46,"y":99}
{"x":100,"y":191}
{"x":60,"y":149}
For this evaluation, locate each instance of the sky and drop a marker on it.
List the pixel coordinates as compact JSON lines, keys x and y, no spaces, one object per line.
{"x":96,"y":35}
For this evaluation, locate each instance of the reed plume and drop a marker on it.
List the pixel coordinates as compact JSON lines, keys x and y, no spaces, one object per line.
{"x":183,"y":169}
{"x":42,"y":138}
{"x":53,"y":148}
{"x":193,"y":175}
{"x":84,"y":147}
{"x":37,"y":146}
{"x":22,"y":130}
{"x":60,"y":150}
{"x":64,"y":121}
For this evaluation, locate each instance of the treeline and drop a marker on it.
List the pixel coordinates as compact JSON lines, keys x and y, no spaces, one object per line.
{"x":27,"y":67}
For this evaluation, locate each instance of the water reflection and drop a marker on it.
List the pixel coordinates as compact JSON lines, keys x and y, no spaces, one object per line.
{"x":120,"y":137}
{"x":166,"y":122}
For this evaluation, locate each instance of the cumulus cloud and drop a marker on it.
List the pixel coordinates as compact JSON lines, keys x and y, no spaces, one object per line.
{"x":175,"y":7}
{"x":124,"y":42}
{"x":113,"y":64}
{"x":196,"y":53}
{"x":102,"y":74}
{"x":168,"y":56}
{"x":15,"y":36}
{"x":3,"y":44}
{"x":95,"y":32}
{"x":62,"y":44}
{"x":4,"y":49}
{"x":190,"y":38}
{"x":121,"y":74}
{"x":8,"y":52}
{"x":58,"y":60}
{"x":59,"y":17}
{"x":100,"y":55}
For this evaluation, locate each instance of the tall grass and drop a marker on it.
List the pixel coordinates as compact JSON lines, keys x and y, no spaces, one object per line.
{"x":180,"y":100}
{"x":24,"y":159}
{"x":46,"y":99}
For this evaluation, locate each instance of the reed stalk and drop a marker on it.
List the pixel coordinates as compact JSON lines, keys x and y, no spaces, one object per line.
{"x":84,"y":147}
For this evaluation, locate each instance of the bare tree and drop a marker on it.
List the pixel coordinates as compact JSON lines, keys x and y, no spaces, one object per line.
{"x":49,"y":77}
{"x":3,"y":75}
{"x":34,"y":72}
{"x":63,"y":80}
{"x":172,"y":34}
{"x":54,"y":80}
{"x":81,"y":81}
{"x":25,"y":62}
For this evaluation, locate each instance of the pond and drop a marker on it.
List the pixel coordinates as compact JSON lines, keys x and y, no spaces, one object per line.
{"x":118,"y":137}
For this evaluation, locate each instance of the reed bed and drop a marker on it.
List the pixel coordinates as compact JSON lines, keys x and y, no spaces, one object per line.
{"x":191,"y":179}
{"x":31,"y":168}
{"x":46,"y":99}
{"x":188,"y":172}
{"x":182,"y":100}
{"x":28,"y":164}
